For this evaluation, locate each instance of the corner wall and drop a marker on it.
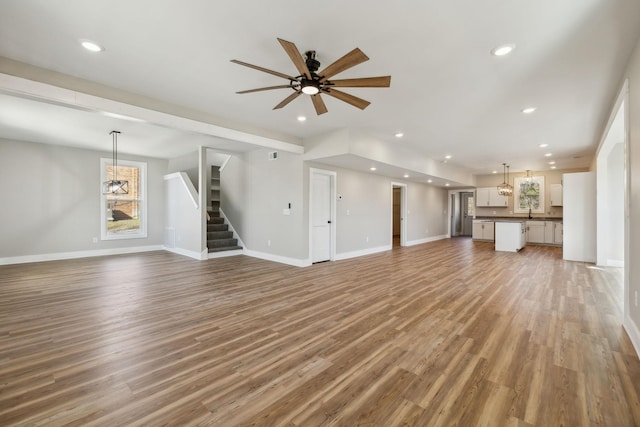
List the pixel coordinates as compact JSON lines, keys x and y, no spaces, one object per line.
{"x":51,"y":204}
{"x":632,"y":321}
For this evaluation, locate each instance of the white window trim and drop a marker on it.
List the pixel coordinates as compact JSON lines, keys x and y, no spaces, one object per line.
{"x":143,"y":201}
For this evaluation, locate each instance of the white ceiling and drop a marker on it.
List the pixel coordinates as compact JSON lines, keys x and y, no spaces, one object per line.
{"x":448,"y":95}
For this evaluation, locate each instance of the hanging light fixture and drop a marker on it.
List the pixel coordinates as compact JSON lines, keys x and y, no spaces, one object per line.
{"x":115,"y":185}
{"x":505,"y":189}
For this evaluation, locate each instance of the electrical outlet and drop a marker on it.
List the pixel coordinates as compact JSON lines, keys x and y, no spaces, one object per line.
{"x":636,"y":297}
{"x":426,"y":231}
{"x":348,"y":212}
{"x":95,"y":240}
{"x":268,"y":242}
{"x":367,"y":239}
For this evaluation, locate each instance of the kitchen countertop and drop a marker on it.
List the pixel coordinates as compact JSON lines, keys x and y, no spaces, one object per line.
{"x":516,"y":218}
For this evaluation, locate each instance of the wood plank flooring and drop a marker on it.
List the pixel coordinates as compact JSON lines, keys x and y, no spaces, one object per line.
{"x":446,"y":333}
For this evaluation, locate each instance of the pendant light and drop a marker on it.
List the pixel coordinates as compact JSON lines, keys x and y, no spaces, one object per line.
{"x":505,"y":189}
{"x":115,"y":185}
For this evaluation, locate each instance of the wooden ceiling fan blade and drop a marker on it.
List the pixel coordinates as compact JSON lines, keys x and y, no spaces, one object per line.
{"x":260,"y":89}
{"x":288,"y":99}
{"x":264,"y":70}
{"x":349,"y":99}
{"x":351,"y":59}
{"x":382,"y":81}
{"x":296,"y":58}
{"x":318,"y":103}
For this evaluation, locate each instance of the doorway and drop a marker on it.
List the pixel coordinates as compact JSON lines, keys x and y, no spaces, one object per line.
{"x":467,"y":204}
{"x":398,"y":214}
{"x":462,"y":213}
{"x":612,"y":193}
{"x":322,"y":224}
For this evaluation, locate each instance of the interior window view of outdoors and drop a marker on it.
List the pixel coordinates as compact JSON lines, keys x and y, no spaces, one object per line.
{"x":123,"y":210}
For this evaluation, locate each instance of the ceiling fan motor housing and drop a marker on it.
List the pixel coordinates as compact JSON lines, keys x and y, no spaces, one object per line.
{"x":312,"y":63}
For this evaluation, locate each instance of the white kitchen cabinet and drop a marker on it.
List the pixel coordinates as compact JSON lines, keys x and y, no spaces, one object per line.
{"x":544,"y":232}
{"x":557,"y":233}
{"x":489,"y":197}
{"x":483,"y":230}
{"x":556,"y":194}
{"x":535,"y":231}
{"x":510,"y":236}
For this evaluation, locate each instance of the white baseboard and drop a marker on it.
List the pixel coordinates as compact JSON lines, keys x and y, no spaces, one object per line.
{"x":426,"y":240}
{"x":615,"y":263}
{"x":633,"y":332}
{"x":277,"y":258}
{"x":362,"y":252}
{"x":77,"y":254}
{"x":185,"y":252}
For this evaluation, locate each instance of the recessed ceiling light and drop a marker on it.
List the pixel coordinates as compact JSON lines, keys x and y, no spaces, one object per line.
{"x":494,"y":171}
{"x":91,"y":45}
{"x":448,"y":156}
{"x":429,"y":181}
{"x":406,"y":175}
{"x":553,"y":167}
{"x":447,"y":184}
{"x":503,"y":50}
{"x":399,"y":134}
{"x":301,"y":118}
{"x":372,"y":168}
{"x":552,"y":162}
{"x":543,"y":145}
{"x":548,"y":154}
{"x":528,"y":110}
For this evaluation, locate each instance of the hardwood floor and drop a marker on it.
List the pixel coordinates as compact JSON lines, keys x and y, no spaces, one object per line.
{"x":446,"y":333}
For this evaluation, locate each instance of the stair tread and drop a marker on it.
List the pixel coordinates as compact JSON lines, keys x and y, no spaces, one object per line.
{"x":225,"y":248}
{"x":222,"y":234}
{"x":222,"y":242}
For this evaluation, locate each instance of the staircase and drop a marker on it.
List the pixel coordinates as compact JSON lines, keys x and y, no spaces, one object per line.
{"x":219,"y":238}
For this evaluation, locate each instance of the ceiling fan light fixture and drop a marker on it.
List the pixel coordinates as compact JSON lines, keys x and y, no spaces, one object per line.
{"x":310,"y":89}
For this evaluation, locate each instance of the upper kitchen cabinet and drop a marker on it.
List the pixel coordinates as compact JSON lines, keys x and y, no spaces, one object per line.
{"x":556,"y":194}
{"x":489,"y":197}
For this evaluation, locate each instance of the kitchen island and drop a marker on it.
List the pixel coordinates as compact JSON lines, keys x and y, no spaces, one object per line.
{"x":510,"y":235}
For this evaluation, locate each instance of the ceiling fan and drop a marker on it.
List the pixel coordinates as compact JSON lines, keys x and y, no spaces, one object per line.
{"x":314,"y":83}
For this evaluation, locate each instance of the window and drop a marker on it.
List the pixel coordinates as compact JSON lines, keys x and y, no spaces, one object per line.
{"x":124,"y":216}
{"x":471,"y":205}
{"x":529,"y":194}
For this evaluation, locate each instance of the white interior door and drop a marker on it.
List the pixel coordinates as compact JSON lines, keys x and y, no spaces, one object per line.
{"x":320,"y":217}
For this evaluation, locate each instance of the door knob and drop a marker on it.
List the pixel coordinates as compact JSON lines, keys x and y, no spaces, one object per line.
{"x":329,"y":222}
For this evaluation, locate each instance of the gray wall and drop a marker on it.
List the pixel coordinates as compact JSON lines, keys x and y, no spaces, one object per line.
{"x":428,"y":211}
{"x":633,"y":74}
{"x":52,"y":204}
{"x":255,"y":190}
{"x":368,"y":197}
{"x":188,"y":163}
